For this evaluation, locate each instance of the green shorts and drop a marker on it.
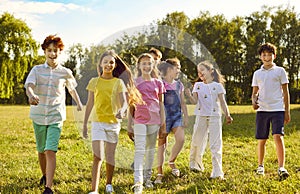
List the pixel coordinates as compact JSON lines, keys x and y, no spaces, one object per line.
{"x":47,"y":136}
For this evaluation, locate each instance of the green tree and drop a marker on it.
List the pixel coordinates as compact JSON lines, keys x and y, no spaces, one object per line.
{"x":285,"y":34}
{"x":18,"y":51}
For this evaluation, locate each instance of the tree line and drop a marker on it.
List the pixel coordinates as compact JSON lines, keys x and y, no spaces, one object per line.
{"x":230,"y":44}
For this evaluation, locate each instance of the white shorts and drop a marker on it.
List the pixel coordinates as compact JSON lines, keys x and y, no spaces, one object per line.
{"x":105,"y":131}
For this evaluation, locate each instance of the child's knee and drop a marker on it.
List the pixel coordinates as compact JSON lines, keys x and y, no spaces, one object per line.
{"x":97,"y":157}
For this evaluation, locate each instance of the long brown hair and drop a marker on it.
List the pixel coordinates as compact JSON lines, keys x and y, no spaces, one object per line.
{"x":123,"y":72}
{"x":216,"y":74}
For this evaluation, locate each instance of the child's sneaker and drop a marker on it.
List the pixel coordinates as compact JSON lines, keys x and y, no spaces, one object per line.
{"x":47,"y":191}
{"x":148,"y":184}
{"x":195,"y":167}
{"x":158,"y":179}
{"x":260,"y":170}
{"x":109,"y":188}
{"x":283,"y":173}
{"x":138,"y":188}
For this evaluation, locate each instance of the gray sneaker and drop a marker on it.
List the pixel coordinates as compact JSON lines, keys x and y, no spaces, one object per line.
{"x":260,"y":170}
{"x":138,"y":188}
{"x":148,"y":184}
{"x":109,"y":188}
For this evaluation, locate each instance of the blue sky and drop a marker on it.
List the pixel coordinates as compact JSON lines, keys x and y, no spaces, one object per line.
{"x":90,"y":21}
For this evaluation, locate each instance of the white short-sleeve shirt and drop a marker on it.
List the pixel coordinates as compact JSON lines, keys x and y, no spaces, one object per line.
{"x":269,"y":83}
{"x":208,"y":100}
{"x":50,"y":87}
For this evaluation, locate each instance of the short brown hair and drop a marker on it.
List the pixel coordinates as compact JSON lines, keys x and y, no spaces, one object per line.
{"x":268,"y":47}
{"x":156,"y":52}
{"x":53,"y":39}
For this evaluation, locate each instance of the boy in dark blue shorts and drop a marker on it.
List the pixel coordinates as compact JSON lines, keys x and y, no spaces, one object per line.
{"x":271,"y":99}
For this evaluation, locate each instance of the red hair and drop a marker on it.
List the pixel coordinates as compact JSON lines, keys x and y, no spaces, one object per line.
{"x":53,"y":39}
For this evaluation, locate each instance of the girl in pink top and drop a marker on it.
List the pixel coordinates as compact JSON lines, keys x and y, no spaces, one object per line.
{"x":147,"y":119}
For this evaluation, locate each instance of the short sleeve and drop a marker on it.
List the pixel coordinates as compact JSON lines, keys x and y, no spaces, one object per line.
{"x":71,"y":82}
{"x":92,"y":84}
{"x":284,"y":78}
{"x":31,"y":78}
{"x":254,"y":79}
{"x":122,"y":87}
{"x":221,"y":89}
{"x":161,"y":87}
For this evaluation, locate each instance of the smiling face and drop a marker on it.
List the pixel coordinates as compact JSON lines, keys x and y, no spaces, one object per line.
{"x":267,"y":58}
{"x":146,"y":65}
{"x":203,"y":73}
{"x":174,"y":71}
{"x":51,"y":53}
{"x":108,"y":63}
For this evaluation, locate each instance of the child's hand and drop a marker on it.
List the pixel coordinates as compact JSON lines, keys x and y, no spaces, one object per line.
{"x":33,"y":100}
{"x":185,"y":121}
{"x":85,"y":131}
{"x":229,"y":119}
{"x":255,"y":106}
{"x":188,"y":92}
{"x":162,"y":131}
{"x":130,"y":135}
{"x":79,"y":106}
{"x":120,"y":114}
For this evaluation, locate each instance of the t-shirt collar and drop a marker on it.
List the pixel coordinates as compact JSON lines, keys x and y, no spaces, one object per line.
{"x":47,"y":66}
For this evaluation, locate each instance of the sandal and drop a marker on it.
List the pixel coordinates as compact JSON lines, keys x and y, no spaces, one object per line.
{"x":175,"y":171}
{"x":158,"y":179}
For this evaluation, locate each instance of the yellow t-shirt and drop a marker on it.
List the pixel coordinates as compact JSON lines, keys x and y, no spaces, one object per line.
{"x":107,"y":100}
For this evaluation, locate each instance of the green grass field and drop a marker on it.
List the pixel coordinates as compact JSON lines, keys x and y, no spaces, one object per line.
{"x":20,"y":173}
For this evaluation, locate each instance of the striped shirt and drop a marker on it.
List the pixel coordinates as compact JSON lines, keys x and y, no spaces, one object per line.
{"x":50,"y":88}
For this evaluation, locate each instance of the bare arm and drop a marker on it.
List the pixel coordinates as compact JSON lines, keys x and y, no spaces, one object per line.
{"x":88,"y":109}
{"x":286,"y":100}
{"x":193,"y":97}
{"x":122,"y":111}
{"x":130,"y":115}
{"x":76,"y":98}
{"x":162,"y":129}
{"x":32,"y":98}
{"x":254,"y":97}
{"x":225,"y":108}
{"x":184,"y":110}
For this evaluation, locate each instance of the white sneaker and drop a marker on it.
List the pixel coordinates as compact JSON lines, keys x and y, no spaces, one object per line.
{"x":138,"y":188}
{"x":148,"y":184}
{"x":109,"y":188}
{"x":260,"y":170}
{"x":93,"y":192}
{"x":283,"y":173}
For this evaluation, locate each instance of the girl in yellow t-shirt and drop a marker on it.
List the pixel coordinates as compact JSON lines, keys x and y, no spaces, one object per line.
{"x":109,"y":94}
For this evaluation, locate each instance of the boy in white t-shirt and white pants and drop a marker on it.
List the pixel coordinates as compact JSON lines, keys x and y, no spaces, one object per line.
{"x":270,"y":97}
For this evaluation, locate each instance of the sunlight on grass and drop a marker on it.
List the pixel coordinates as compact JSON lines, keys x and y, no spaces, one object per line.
{"x":20,"y":170}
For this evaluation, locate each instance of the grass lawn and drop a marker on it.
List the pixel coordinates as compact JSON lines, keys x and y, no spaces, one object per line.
{"x":20,"y":173}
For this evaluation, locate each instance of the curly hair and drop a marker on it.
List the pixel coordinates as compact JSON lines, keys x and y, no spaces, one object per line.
{"x":53,"y":39}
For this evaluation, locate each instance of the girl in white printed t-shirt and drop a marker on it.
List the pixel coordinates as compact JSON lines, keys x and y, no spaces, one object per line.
{"x":209,"y":94}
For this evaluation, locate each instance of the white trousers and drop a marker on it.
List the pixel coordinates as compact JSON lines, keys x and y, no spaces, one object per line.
{"x":145,"y":137}
{"x":207,"y":128}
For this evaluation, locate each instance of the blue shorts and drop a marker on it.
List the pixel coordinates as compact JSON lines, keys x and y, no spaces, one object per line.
{"x":47,"y":136}
{"x":264,"y":121}
{"x":173,"y":121}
